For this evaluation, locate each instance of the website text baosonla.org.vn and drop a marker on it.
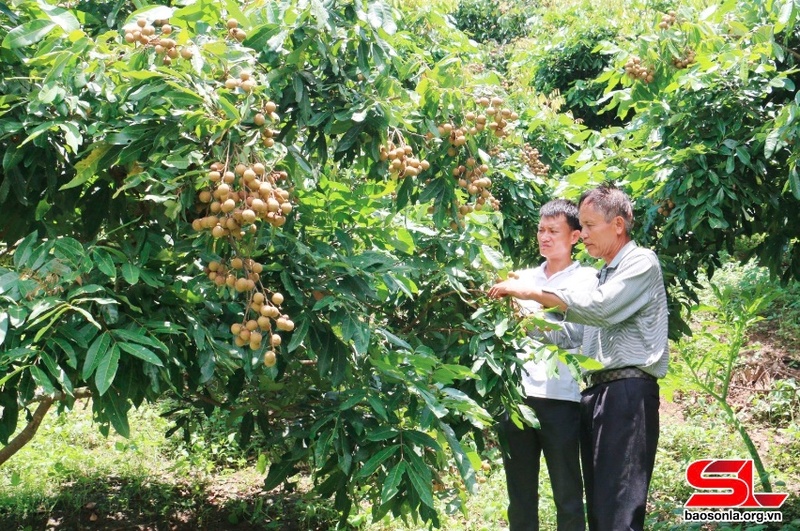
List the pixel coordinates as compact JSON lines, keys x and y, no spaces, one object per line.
{"x":732,"y":515}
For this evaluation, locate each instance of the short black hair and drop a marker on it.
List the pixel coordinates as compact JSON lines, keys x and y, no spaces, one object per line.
{"x":561,"y":207}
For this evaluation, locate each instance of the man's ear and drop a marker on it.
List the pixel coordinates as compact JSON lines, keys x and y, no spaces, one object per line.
{"x":619,"y":225}
{"x":575,"y":236}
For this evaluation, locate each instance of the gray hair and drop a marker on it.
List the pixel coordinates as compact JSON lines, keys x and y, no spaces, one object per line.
{"x":611,"y":202}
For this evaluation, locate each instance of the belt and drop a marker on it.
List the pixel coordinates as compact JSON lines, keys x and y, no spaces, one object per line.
{"x":594,"y":378}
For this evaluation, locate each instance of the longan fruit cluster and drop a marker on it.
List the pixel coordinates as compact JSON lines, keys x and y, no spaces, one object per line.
{"x":402,"y":161}
{"x":471,"y":175}
{"x":244,"y":81}
{"x":636,"y":70}
{"x":263,"y":318}
{"x":530,"y":155}
{"x":668,"y":20}
{"x":687,"y":59}
{"x":146,"y":34}
{"x":502,"y":115}
{"x":495,"y":117}
{"x":261,"y":323}
{"x":241,"y":274}
{"x":240,"y":198}
{"x":263,"y":314}
{"x":472,"y":178}
{"x":234,"y":31}
{"x":666,"y":207}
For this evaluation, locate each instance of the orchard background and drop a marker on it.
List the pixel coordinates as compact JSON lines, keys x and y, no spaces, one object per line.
{"x":287,"y":212}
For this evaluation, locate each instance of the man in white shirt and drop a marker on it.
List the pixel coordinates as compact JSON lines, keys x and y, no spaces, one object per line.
{"x":555,"y":397}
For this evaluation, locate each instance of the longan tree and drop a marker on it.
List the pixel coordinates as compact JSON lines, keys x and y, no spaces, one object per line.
{"x":281,"y":211}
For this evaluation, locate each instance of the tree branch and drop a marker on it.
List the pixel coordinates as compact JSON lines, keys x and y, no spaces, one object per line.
{"x":28,"y":432}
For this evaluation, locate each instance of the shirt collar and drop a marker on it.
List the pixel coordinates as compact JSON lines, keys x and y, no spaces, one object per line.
{"x":575,"y":264}
{"x":627,"y":248}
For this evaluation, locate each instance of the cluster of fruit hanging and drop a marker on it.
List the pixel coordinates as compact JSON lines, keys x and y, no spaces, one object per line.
{"x":470,"y":172}
{"x":468,"y":169}
{"x":235,"y":198}
{"x":236,"y":201}
{"x":638,"y":71}
{"x":157,"y":37}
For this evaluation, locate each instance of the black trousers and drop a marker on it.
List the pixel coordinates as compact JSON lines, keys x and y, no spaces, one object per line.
{"x":558,"y":439}
{"x":619,"y":436}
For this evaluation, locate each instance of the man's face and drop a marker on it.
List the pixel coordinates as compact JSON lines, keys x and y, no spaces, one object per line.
{"x":600,"y":237}
{"x":555,"y":237}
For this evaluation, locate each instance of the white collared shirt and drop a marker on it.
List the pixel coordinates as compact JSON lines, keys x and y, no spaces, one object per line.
{"x":535,"y":378}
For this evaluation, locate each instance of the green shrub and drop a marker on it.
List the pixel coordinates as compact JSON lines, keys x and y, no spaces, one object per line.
{"x":487,"y":20}
{"x":780,"y":405}
{"x":569,"y":66}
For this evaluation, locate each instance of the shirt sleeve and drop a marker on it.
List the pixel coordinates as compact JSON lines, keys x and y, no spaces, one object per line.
{"x":621,"y":296}
{"x":570,"y":335}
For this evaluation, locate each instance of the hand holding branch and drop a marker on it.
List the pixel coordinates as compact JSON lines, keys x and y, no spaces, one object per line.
{"x":522,"y":289}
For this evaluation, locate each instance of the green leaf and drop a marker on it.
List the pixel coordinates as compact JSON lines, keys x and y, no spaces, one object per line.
{"x":150,"y":12}
{"x":794,"y":182}
{"x":299,"y":334}
{"x":771,"y":143}
{"x":278,"y":472}
{"x":28,"y":34}
{"x":96,"y":352}
{"x":422,"y":486}
{"x":24,"y":250}
{"x":51,"y":365}
{"x":494,"y":257}
{"x":63,"y":17}
{"x":7,"y":357}
{"x":380,"y":16}
{"x":4,"y":320}
{"x":350,"y":137}
{"x":462,"y":460}
{"x":116,"y":412}
{"x":17,"y":316}
{"x":107,"y":369}
{"x":357,"y":330}
{"x":501,"y":327}
{"x":378,"y":407}
{"x":375,"y":461}
{"x":261,"y":464}
{"x":13,"y":373}
{"x":141,"y":352}
{"x":8,"y":282}
{"x":382,"y":433}
{"x":42,"y":380}
{"x":320,"y":13}
{"x":86,"y":168}
{"x":72,"y":359}
{"x":130,"y":273}
{"x":140,"y":337}
{"x":71,"y":251}
{"x":390,"y":484}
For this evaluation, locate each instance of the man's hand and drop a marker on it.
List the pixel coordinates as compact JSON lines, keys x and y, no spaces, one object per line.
{"x":512,"y":287}
{"x":525,"y":290}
